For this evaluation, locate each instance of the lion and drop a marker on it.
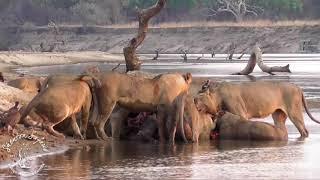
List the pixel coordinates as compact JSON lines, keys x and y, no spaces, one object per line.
{"x":201,"y":123}
{"x":138,"y":94}
{"x":55,"y":103}
{"x":30,"y":84}
{"x":57,"y":79}
{"x":230,"y":126}
{"x":52,"y":80}
{"x":256,"y":100}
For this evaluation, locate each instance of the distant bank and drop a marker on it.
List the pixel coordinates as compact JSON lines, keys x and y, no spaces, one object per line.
{"x":201,"y":39}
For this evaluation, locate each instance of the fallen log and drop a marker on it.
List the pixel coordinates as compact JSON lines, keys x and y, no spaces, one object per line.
{"x":256,"y":58}
{"x":266,"y":68}
{"x":250,"y":66}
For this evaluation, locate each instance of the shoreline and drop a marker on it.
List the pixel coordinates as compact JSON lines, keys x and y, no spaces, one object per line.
{"x":41,"y":144}
{"x":14,"y":59}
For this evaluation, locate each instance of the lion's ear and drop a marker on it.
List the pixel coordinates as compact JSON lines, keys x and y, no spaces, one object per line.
{"x":188,"y":77}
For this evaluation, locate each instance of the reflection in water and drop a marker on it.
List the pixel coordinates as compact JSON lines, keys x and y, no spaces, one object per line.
{"x":222,"y":159}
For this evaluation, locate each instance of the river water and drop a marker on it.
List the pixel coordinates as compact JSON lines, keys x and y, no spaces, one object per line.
{"x":295,"y":159}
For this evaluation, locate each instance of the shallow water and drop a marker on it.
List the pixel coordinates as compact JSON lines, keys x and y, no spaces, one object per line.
{"x":213,"y":160}
{"x":295,"y":159}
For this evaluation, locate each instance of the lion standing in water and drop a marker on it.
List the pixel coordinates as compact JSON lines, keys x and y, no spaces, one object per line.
{"x":139,"y":94}
{"x":256,"y":100}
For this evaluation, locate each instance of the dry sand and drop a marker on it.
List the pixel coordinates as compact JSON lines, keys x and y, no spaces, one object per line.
{"x":10,"y":59}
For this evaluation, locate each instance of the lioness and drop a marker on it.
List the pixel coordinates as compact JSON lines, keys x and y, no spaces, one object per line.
{"x":230,"y":126}
{"x":30,"y":84}
{"x":55,"y":103}
{"x":139,"y":94}
{"x":256,"y":100}
{"x":200,"y":122}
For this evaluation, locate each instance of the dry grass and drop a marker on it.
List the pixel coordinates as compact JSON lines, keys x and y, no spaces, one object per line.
{"x":257,"y":23}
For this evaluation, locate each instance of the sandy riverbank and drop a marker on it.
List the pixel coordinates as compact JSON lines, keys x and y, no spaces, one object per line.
{"x":10,"y":59}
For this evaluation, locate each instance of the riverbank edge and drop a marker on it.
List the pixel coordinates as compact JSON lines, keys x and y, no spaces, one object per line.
{"x":51,"y":151}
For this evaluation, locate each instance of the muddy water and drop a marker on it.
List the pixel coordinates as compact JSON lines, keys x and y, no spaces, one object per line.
{"x":295,"y":159}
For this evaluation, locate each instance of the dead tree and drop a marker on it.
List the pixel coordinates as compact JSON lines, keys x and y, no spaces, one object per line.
{"x":238,"y":8}
{"x":232,"y":49}
{"x":132,"y":60}
{"x":256,"y":58}
{"x":49,"y":48}
{"x":269,"y":69}
{"x":184,"y":56}
{"x":250,"y":66}
{"x":241,"y":56}
{"x":157,"y":55}
{"x":213,"y":54}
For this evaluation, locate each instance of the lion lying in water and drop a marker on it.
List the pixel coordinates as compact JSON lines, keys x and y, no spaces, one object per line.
{"x":230,"y":126}
{"x":256,"y":100}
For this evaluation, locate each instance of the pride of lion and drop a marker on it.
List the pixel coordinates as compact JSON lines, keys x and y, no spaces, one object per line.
{"x":161,"y":107}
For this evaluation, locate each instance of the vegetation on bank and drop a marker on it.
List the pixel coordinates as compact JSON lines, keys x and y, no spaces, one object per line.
{"x":106,"y":12}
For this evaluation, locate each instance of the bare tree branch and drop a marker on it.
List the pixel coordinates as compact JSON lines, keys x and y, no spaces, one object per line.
{"x":132,"y":60}
{"x":238,"y":8}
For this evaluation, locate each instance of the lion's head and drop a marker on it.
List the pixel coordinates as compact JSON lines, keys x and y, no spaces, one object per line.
{"x":206,"y":103}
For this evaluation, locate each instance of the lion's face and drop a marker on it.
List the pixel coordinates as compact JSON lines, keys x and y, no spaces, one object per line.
{"x":205,"y":103}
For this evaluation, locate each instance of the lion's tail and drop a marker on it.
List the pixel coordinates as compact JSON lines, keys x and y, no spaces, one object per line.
{"x":307,"y":110}
{"x":180,"y":113}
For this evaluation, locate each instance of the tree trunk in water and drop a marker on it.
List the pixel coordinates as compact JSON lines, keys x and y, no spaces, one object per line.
{"x":250,"y":66}
{"x":132,"y":61}
{"x":266,"y":68}
{"x":256,"y":58}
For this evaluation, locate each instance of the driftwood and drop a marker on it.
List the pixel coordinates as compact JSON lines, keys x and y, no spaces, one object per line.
{"x":198,"y":58}
{"x":256,"y":58}
{"x":266,"y":68}
{"x":132,"y":60}
{"x":250,"y":65}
